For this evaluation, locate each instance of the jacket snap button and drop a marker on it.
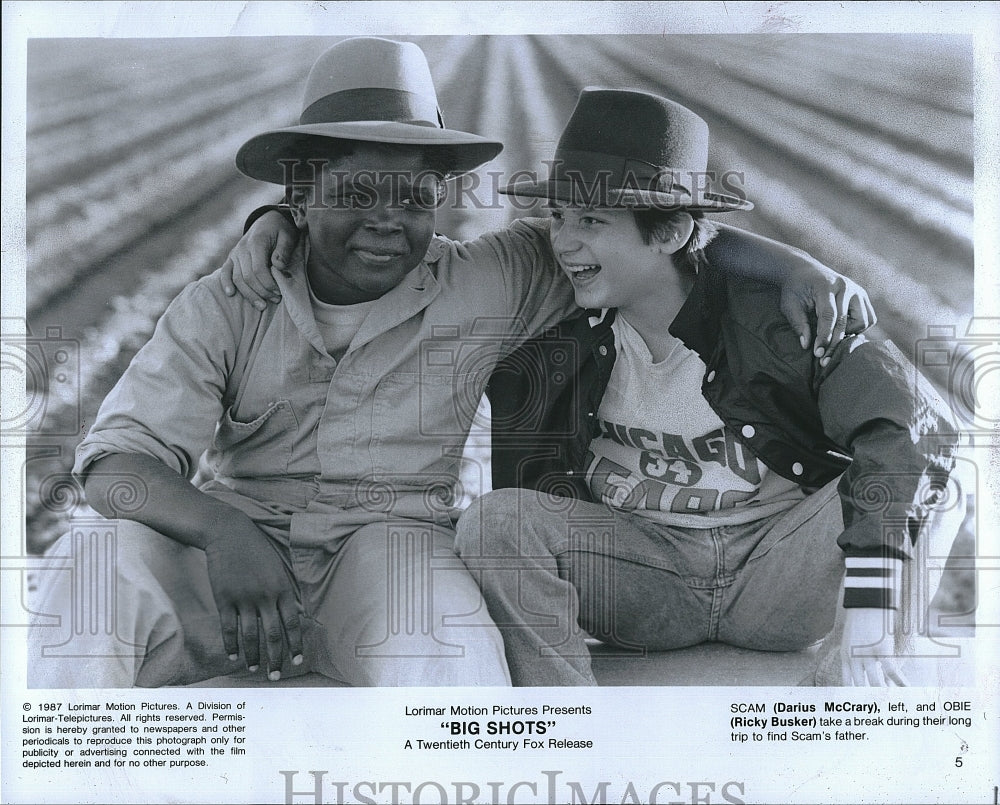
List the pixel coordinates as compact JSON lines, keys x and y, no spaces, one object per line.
{"x":711,"y":376}
{"x":797,"y":469}
{"x":748,"y":431}
{"x":603,"y":350}
{"x":569,"y":472}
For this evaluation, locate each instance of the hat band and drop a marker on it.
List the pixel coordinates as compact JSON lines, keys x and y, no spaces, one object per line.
{"x":597,"y":171}
{"x":374,"y":103}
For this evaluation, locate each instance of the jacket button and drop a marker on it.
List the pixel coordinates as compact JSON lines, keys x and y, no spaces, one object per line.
{"x":748,"y":431}
{"x":569,"y":472}
{"x":590,"y":413}
{"x":603,"y":350}
{"x":797,"y":469}
{"x":711,"y":376}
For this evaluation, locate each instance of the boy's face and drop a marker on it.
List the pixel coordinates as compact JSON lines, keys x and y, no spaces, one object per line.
{"x":372,"y":227}
{"x":602,"y":252}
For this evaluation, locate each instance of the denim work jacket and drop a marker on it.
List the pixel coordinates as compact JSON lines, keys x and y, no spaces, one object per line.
{"x":316,"y":447}
{"x":867,"y":416}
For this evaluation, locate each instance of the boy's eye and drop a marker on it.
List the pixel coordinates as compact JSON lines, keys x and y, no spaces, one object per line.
{"x":415,"y":198}
{"x":424,"y":198}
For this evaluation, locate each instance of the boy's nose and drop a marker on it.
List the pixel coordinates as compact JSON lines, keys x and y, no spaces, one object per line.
{"x":383,"y":218}
{"x":563,"y":240}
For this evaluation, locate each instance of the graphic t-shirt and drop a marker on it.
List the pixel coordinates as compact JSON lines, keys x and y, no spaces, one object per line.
{"x":663,"y":453}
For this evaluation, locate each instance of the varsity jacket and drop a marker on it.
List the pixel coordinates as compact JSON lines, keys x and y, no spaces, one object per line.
{"x":867,"y":417}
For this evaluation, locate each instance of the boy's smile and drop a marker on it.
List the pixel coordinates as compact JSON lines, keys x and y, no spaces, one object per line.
{"x":582,"y":272}
{"x":375,"y":257}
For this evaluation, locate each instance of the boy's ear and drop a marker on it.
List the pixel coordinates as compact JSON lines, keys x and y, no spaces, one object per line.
{"x":675,"y":234}
{"x":298,"y":201}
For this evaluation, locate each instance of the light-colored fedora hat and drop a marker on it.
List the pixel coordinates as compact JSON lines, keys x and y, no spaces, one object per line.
{"x":366,"y":89}
{"x":630,"y":148}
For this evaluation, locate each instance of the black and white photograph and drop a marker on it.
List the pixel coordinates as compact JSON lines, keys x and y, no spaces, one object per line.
{"x":340,"y":462}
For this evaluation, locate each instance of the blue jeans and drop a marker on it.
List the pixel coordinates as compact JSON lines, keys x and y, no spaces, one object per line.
{"x":554,"y":571}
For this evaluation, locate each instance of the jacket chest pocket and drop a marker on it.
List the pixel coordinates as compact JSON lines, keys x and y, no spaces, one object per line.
{"x":261,"y":447}
{"x":417,"y":416}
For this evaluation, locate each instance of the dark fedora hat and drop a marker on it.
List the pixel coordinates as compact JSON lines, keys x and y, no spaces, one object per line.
{"x":366,"y":89}
{"x":632,"y":149}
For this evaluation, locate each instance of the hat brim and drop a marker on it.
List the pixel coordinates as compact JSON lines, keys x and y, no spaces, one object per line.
{"x":573,"y":193}
{"x":259,"y":157}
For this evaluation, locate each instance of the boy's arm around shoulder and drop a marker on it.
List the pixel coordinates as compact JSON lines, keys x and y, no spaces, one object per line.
{"x":840,"y":306}
{"x":517,"y":265}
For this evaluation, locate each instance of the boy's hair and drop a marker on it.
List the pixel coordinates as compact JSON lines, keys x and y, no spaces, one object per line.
{"x":655,"y":225}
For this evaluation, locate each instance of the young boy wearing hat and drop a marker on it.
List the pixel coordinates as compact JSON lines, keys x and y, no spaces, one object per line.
{"x":710,"y":480}
{"x":322,"y":538}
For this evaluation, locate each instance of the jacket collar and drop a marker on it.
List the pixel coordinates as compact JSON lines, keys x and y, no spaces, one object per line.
{"x":595,"y":318}
{"x":602,"y":318}
{"x":696,"y":323}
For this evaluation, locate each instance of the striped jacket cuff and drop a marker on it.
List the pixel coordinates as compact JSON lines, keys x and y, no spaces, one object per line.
{"x":872,"y":582}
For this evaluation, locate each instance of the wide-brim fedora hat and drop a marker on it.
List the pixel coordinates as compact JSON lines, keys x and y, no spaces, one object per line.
{"x":366,"y":89}
{"x":629,"y":148}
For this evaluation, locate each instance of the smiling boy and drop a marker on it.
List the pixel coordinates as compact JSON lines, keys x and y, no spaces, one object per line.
{"x":321,"y":538}
{"x":710,"y":480}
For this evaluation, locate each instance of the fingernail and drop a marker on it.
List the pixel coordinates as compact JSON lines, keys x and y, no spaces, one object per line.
{"x":274,"y":676}
{"x":234,"y":657}
{"x":824,"y":361}
{"x":254,"y":668}
{"x":803,"y":341}
{"x":275,"y":299}
{"x":297,"y":659}
{"x":230,"y":290}
{"x":819,"y":352}
{"x":259,"y":305}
